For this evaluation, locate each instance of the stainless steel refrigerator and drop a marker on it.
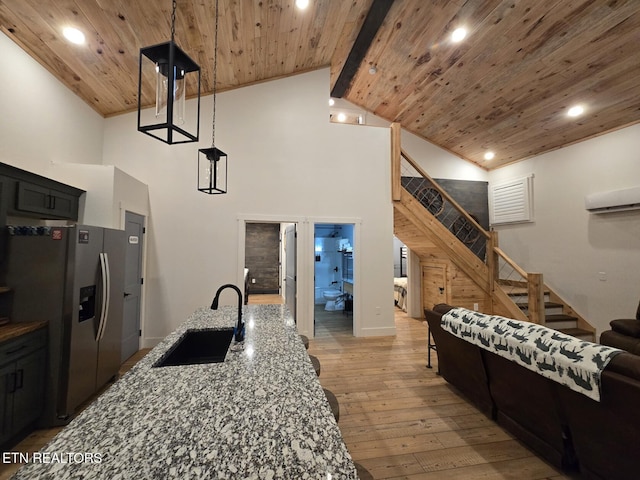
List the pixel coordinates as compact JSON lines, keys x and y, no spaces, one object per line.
{"x":73,"y":277}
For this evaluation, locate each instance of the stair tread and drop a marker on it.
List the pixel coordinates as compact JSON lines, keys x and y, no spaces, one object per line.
{"x":559,"y":317}
{"x":519,"y":291}
{"x":574,"y":332}
{"x":523,"y":305}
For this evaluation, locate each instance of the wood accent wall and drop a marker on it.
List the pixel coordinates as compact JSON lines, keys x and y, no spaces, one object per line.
{"x":465,"y":284}
{"x":262,"y":257}
{"x":460,"y":289}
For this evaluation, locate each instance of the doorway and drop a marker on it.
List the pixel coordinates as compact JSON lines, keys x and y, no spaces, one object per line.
{"x":262,"y":257}
{"x":134,"y":230}
{"x":334,"y":279}
{"x":270,"y":259}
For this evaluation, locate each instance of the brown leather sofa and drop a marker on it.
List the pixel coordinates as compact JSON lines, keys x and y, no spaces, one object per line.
{"x":460,"y":363}
{"x":570,"y":430}
{"x":624,"y":334}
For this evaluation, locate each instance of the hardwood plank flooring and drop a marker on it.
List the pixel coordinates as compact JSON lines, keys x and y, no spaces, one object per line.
{"x":265,"y":298}
{"x":400,"y":420}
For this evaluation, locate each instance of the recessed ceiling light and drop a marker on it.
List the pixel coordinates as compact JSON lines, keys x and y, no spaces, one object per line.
{"x":341,"y":117}
{"x":73,"y":35}
{"x":489,"y":156}
{"x":332,"y":102}
{"x":458,"y":35}
{"x":575,"y":111}
{"x":302,"y":4}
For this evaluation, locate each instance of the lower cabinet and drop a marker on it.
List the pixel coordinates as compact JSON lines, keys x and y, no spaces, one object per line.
{"x":22,"y":379}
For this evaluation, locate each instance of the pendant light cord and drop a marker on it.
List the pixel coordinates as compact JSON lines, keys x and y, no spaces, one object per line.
{"x":215,"y":79}
{"x":173,"y":21}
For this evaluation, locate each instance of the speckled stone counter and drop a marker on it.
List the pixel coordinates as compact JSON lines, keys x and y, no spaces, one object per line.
{"x":261,"y":414}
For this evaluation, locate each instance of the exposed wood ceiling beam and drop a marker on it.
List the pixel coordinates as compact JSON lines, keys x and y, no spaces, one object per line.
{"x":370,"y":27}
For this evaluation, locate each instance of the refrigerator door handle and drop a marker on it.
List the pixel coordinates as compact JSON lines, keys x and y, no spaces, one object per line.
{"x":106,"y":290}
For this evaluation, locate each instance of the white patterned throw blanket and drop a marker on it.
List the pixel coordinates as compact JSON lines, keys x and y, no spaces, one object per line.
{"x":554,"y":355}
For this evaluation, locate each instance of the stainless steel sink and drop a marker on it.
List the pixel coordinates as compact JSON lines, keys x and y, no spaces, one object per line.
{"x":198,"y":346}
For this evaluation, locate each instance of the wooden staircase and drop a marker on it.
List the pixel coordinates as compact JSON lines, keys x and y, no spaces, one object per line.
{"x":557,"y":314}
{"x":483,"y":278}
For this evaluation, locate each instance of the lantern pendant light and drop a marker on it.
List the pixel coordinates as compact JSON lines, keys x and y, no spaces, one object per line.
{"x":212,"y":162}
{"x":171,"y":70}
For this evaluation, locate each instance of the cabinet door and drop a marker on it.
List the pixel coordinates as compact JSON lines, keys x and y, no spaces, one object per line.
{"x":7,"y":385}
{"x":28,"y":397}
{"x":32,"y":198}
{"x":435,"y":285}
{"x":63,"y":205}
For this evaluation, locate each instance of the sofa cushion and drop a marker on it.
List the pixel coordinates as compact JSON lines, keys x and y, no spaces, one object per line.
{"x":626,"y":326}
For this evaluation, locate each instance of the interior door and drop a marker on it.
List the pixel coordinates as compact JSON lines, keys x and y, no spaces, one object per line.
{"x":434,"y":285}
{"x":134,"y":231}
{"x":290,"y":268}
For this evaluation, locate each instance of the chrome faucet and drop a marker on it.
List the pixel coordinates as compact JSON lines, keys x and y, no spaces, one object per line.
{"x":239,"y":330}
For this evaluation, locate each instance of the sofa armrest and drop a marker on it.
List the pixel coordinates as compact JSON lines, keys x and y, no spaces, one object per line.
{"x":619,"y":340}
{"x":626,"y":326}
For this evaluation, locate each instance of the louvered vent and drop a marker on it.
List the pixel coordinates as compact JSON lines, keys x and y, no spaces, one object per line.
{"x":511,"y":201}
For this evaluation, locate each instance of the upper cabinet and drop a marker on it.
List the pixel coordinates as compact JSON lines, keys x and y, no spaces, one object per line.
{"x":43,"y":201}
{"x":26,"y":194}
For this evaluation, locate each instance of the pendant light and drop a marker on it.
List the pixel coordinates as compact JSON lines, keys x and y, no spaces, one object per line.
{"x":212,"y":162}
{"x":172,"y":70}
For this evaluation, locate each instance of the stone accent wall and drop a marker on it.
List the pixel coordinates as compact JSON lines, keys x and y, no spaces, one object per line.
{"x":262,"y":257}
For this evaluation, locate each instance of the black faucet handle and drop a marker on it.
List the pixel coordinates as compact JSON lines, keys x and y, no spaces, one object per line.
{"x":238,"y":332}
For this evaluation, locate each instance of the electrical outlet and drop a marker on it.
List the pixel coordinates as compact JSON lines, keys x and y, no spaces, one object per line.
{"x":475,"y":307}
{"x":602,"y":276}
{"x":253,"y":280}
{"x":377,"y":310}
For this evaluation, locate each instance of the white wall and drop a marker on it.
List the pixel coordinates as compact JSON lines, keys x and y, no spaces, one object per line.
{"x":569,"y":245}
{"x":439,"y":163}
{"x":286,"y":162}
{"x":41,"y":120}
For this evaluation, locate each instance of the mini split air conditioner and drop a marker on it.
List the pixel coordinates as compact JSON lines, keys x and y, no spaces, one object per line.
{"x":613,"y":201}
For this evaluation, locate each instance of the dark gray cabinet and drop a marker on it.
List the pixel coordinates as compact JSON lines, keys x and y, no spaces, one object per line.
{"x":22,"y":379}
{"x":38,"y":199}
{"x":25,"y":194}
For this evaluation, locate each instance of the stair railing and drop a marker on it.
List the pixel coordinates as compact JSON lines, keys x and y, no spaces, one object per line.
{"x":519,"y":285}
{"x":442,"y":206}
{"x":504,"y":273}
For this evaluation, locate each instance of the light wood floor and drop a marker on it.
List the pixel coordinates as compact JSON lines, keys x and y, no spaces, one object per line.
{"x":399,"y":419}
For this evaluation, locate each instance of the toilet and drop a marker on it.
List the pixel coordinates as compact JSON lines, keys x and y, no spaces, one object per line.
{"x":331,"y":296}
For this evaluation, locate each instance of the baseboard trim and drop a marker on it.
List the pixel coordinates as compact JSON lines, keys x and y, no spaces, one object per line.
{"x":377,"y":332}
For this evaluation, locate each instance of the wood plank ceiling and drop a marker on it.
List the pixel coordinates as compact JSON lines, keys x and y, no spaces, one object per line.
{"x":505,"y":88}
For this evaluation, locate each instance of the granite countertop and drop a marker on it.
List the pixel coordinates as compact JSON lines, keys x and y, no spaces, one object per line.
{"x":261,"y":414}
{"x":15,"y":330}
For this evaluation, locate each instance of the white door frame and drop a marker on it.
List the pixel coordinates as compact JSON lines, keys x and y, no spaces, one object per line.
{"x":243,"y":219}
{"x":305,"y":259}
{"x":311,"y":256}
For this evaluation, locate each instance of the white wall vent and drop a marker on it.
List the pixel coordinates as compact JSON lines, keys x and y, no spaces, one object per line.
{"x":511,"y":201}
{"x":613,"y":201}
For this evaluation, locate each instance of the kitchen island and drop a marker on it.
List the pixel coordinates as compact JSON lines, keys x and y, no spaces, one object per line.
{"x":261,"y":414}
